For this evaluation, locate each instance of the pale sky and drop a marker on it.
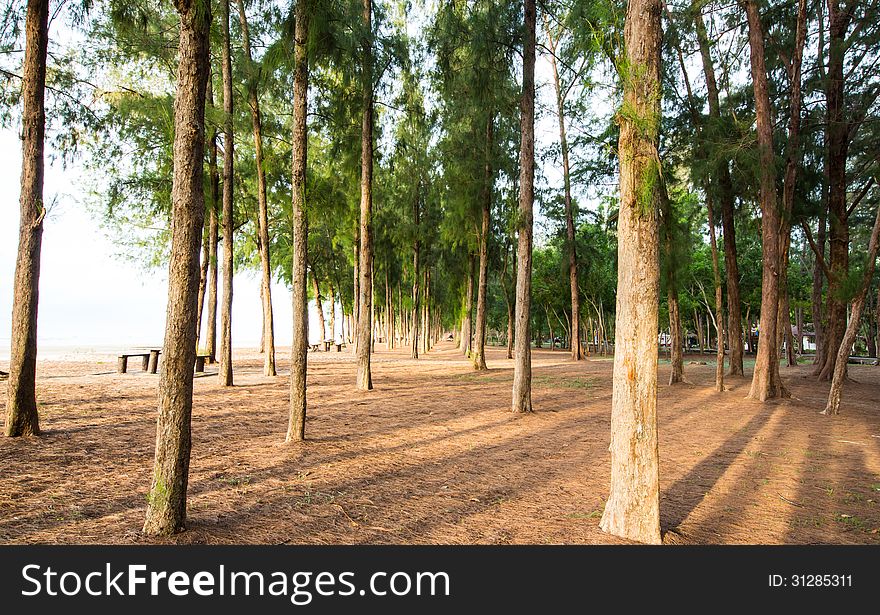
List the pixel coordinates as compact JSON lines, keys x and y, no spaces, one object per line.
{"x":89,"y":297}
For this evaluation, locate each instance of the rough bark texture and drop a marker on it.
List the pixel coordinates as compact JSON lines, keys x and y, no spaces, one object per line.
{"x":508,"y":301}
{"x":676,"y":351}
{"x":365,"y":298}
{"x":166,"y":503}
{"x":872,"y":329}
{"x":213,"y":238}
{"x":319,"y":306}
{"x":466,"y":326}
{"x":633,"y":507}
{"x":225,"y":371}
{"x":296,"y":428}
{"x":719,"y":310}
{"x":726,"y":201}
{"x":793,"y":160}
{"x":852,"y":329}
{"x":268,"y":334}
{"x":837,"y":141}
{"x":522,"y":367}
{"x":22,"y":416}
{"x":818,"y":286}
{"x":416,"y":276}
{"x":332,"y":298}
{"x":203,"y":286}
{"x":766,"y":382}
{"x":479,"y":351}
{"x":577,"y":352}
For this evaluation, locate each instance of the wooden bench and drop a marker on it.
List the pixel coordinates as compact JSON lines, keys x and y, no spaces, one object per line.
{"x":149,"y":356}
{"x":200,"y":362}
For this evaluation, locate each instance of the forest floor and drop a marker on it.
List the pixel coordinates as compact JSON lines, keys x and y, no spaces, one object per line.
{"x":433,"y":455}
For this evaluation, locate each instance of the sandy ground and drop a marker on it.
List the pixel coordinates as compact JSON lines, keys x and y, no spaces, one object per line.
{"x":433,"y":455}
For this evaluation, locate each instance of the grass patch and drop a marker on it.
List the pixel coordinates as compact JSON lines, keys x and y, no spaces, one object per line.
{"x":554,"y":382}
{"x":579,"y":515}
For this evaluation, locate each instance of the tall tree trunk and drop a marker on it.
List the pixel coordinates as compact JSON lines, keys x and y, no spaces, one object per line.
{"x":356,"y":294}
{"x":365,"y":309}
{"x":296,"y":426}
{"x":508,"y":301}
{"x":479,"y":354}
{"x":698,"y":325}
{"x":719,"y":310}
{"x":576,"y":350}
{"x":833,"y":406}
{"x":522,"y":368}
{"x":872,"y":328}
{"x":676,"y":354}
{"x":466,"y":328}
{"x":633,"y":507}
{"x":877,"y":319}
{"x":319,"y":306}
{"x":726,"y":198}
{"x":213,"y":235}
{"x":166,"y":503}
{"x":203,"y":286}
{"x":416,"y":276}
{"x":766,"y":382}
{"x":225,"y":371}
{"x":838,"y":149}
{"x":389,"y":313}
{"x":817,"y":312}
{"x":22,"y":415}
{"x":793,"y":160}
{"x":332,"y":298}
{"x":263,"y":207}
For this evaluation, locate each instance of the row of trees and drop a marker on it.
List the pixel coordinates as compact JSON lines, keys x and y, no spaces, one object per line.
{"x":388,"y":165}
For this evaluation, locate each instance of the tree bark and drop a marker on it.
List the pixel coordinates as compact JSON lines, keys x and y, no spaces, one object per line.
{"x":166,"y":503}
{"x":355,"y":301}
{"x":522,"y":368}
{"x":479,"y":355}
{"x":365,"y":324}
{"x":793,"y":160}
{"x":852,"y":329}
{"x":22,"y":414}
{"x":213,"y":236}
{"x":676,"y":354}
{"x":466,"y":328}
{"x":296,"y":427}
{"x":416,"y":273}
{"x":838,"y":148}
{"x":576,"y":349}
{"x":225,"y":372}
{"x":332,"y":298}
{"x":726,"y":200}
{"x":389,"y":312}
{"x":633,"y":507}
{"x":766,"y":382}
{"x":817,"y":312}
{"x":319,"y":305}
{"x":268,"y":344}
{"x":203,"y":286}
{"x":719,"y":310}
{"x":872,"y":329}
{"x":508,"y":301}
